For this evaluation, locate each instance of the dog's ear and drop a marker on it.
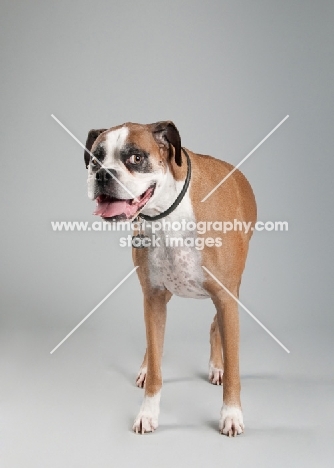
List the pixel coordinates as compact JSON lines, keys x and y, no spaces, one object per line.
{"x":92,"y":135}
{"x":166,"y":132}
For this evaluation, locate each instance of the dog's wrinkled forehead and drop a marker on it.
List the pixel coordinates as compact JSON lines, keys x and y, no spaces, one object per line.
{"x":160,"y":140}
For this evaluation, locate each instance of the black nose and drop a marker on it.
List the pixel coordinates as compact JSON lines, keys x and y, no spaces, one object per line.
{"x":104,"y":175}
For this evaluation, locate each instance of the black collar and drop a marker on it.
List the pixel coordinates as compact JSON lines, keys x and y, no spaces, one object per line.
{"x":179,"y":197}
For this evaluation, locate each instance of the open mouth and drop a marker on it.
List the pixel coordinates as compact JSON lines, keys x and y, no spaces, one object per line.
{"x":116,"y":208}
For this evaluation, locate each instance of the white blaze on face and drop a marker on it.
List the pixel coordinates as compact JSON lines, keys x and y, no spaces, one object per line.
{"x":115,"y":141}
{"x":136,"y":183}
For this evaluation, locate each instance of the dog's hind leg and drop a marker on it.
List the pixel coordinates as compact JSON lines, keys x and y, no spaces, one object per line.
{"x":216,"y":363}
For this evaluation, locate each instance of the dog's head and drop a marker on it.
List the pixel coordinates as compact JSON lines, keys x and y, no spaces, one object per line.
{"x":128,"y":165}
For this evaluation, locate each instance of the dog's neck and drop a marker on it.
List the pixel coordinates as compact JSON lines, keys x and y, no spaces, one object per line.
{"x":168,"y":189}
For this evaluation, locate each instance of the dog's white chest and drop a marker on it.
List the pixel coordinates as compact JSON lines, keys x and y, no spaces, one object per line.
{"x":174,"y":265}
{"x":177,"y":269}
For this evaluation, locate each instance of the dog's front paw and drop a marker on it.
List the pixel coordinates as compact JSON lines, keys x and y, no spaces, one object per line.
{"x":147,"y":419}
{"x":215,"y":375}
{"x":141,"y":377}
{"x":231,"y":421}
{"x":144,"y":423}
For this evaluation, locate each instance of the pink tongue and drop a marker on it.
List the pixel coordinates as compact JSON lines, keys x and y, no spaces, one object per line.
{"x":110,"y":209}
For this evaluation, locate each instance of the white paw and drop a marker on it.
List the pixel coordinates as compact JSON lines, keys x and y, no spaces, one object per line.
{"x":144,"y":423}
{"x":147,"y":419}
{"x":231,"y":421}
{"x":215,"y":374}
{"x":141,"y":377}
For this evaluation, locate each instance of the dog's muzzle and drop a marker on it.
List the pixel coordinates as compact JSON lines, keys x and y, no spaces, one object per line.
{"x":111,"y":207}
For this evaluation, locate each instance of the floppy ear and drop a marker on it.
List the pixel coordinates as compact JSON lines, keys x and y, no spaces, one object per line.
{"x":166,"y":132}
{"x":92,"y":135}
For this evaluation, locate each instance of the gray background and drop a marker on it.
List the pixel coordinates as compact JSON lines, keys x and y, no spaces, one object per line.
{"x":226,"y":73}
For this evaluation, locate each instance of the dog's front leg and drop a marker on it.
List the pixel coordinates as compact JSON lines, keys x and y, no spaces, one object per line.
{"x":231,"y":418}
{"x":155,"y":319}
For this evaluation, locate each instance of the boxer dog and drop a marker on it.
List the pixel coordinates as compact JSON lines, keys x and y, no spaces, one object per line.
{"x":141,"y":172}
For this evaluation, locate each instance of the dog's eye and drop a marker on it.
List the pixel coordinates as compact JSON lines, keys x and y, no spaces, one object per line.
{"x":135,"y":159}
{"x":94,"y":162}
